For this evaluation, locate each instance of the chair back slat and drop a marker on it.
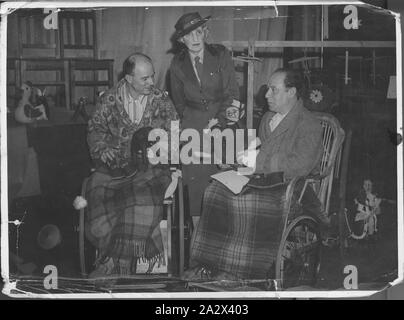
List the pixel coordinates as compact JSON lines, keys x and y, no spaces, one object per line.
{"x":78,"y":31}
{"x":32,"y":36}
{"x":333,"y":136}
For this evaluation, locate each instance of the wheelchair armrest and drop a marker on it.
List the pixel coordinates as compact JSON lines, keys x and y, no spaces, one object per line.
{"x":291,"y":189}
{"x":264,"y":181}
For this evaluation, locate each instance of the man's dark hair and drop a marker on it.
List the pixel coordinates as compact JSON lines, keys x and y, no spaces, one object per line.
{"x":293,"y":78}
{"x":130,"y":62}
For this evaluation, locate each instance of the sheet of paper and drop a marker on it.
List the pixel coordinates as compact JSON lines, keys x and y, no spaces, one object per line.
{"x":232,"y":180}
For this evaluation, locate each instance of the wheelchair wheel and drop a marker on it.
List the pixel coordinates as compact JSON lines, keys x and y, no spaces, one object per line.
{"x":298,"y":260}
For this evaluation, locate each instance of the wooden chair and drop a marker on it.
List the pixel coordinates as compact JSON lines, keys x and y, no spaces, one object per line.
{"x":78,"y":34}
{"x":78,"y":41}
{"x":78,"y":66}
{"x":33,"y":39}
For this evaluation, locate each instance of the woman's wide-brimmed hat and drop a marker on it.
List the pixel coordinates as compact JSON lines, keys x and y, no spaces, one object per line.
{"x":187,"y":23}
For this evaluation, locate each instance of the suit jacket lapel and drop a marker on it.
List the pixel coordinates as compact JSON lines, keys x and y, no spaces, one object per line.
{"x":210,"y":66}
{"x":188,"y":69}
{"x":148,"y":109}
{"x":265,"y":130}
{"x":120,"y":92}
{"x":288,"y":121}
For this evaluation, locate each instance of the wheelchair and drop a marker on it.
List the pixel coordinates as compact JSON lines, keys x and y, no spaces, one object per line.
{"x":299,"y":254}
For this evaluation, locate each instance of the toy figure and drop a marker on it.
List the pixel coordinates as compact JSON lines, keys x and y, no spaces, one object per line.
{"x":32,"y":105}
{"x":368,"y":206}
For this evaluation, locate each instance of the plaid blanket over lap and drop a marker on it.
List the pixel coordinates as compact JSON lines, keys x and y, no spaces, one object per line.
{"x":123,"y":215}
{"x":239,"y":234}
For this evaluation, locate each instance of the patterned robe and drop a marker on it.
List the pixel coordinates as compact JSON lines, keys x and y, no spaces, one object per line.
{"x":110,"y":127}
{"x":125,"y":206}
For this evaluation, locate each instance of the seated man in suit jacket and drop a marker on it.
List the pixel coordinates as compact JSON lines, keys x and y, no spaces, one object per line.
{"x":238,"y":235}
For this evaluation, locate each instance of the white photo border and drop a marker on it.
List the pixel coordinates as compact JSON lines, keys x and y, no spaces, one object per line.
{"x":8,"y":7}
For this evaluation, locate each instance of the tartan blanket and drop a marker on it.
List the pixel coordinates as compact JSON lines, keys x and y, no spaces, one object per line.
{"x":239,"y":234}
{"x":123,"y":216}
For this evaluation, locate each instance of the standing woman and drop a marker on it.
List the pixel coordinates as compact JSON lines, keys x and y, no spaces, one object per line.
{"x":203,"y":85}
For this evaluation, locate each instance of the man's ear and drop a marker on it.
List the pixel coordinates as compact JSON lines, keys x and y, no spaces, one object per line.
{"x":181,"y":39}
{"x":128,"y":77}
{"x":292,"y":91}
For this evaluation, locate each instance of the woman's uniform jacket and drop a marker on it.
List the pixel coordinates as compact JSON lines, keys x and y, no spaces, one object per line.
{"x":197,"y":103}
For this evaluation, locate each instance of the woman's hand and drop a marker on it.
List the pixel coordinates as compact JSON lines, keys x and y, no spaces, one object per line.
{"x":212,"y":123}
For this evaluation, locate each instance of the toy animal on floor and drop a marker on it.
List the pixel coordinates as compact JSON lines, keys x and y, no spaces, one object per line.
{"x":368,"y":207}
{"x":367,"y":210}
{"x":32,"y":106}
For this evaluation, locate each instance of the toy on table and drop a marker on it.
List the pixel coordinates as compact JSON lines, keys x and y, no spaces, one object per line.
{"x":32,"y":106}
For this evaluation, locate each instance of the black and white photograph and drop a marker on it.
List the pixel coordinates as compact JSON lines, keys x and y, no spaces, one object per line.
{"x":205,"y":149}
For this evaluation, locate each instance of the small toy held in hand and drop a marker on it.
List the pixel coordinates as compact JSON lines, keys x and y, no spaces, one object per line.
{"x":235,"y":112}
{"x":32,"y":105}
{"x":229,"y":118}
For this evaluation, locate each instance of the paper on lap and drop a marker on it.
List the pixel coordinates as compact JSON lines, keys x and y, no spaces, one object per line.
{"x":232,"y":180}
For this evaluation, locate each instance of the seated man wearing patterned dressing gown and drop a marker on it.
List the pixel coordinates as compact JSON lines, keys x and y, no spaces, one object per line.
{"x":125,"y":205}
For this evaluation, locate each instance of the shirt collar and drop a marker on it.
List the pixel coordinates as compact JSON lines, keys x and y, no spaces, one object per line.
{"x":199,"y":54}
{"x":280,"y":115}
{"x":141,"y":98}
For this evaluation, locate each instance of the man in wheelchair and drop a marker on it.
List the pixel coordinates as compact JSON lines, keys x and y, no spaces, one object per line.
{"x":125,"y":195}
{"x":238,"y":235}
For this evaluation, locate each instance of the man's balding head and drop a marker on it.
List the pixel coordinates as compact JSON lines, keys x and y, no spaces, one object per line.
{"x":137,"y":58}
{"x":139,"y":72}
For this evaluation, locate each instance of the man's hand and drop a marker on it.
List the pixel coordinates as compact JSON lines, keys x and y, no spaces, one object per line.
{"x":248,"y":157}
{"x":254,"y":144}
